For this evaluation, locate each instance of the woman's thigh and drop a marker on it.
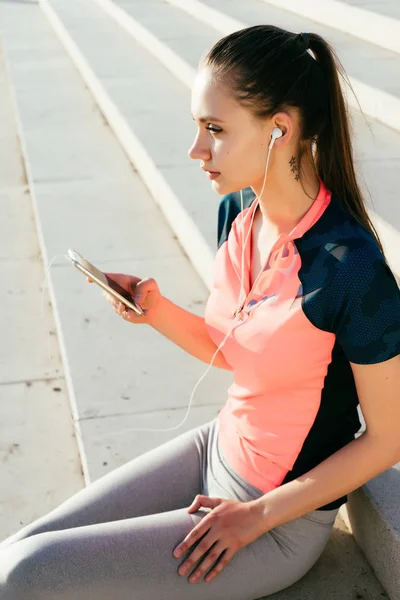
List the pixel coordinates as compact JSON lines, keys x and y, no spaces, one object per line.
{"x":133,"y":559}
{"x":165,"y":478}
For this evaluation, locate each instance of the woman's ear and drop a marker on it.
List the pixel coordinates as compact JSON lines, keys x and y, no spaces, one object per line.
{"x":287,"y":123}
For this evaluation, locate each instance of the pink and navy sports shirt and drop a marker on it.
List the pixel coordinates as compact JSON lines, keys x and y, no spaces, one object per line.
{"x":325,"y":298}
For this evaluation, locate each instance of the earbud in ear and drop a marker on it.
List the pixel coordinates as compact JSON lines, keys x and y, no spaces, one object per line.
{"x":276,"y":133}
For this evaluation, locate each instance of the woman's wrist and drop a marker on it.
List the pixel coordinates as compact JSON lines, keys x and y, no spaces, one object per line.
{"x":157,"y":316}
{"x":263,"y":513}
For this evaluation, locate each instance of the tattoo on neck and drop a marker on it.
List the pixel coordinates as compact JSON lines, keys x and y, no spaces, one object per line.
{"x":294,"y":168}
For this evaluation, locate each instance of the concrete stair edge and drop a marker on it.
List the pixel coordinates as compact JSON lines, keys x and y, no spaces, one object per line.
{"x":170,"y":59}
{"x":376,"y":536}
{"x":51,"y":291}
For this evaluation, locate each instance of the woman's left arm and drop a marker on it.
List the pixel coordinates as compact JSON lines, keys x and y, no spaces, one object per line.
{"x":378,"y":389}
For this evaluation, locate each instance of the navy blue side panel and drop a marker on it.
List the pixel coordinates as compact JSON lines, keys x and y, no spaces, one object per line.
{"x":335,"y":423}
{"x":229,"y":209}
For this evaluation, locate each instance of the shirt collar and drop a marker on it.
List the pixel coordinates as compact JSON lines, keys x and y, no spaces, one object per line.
{"x":312,"y":215}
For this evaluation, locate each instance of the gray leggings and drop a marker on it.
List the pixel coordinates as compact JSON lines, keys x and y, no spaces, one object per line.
{"x":113,"y":540}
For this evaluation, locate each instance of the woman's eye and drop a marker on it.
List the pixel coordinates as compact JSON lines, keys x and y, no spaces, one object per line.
{"x":213,"y":129}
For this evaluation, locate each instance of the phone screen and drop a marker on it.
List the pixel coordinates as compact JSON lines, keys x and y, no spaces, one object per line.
{"x":116,"y":287}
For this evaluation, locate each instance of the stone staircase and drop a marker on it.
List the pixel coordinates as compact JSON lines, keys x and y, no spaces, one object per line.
{"x":102,"y":99}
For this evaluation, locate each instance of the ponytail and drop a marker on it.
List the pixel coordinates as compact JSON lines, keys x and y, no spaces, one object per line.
{"x":334,"y":153}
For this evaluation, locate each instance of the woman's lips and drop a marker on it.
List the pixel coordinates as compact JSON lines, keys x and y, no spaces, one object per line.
{"x":213,"y":174}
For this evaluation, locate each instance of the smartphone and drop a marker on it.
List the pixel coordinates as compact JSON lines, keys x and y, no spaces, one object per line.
{"x":105,"y":282}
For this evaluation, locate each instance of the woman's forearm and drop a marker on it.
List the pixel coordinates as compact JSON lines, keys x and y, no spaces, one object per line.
{"x":338,"y":475}
{"x":187,"y":331}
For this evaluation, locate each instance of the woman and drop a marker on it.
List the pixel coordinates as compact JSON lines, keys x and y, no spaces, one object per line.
{"x":306,"y":313}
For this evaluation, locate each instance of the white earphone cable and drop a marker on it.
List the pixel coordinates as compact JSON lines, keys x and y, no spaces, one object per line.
{"x":256,"y":201}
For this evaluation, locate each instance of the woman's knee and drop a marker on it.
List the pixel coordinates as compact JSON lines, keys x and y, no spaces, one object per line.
{"x":22,"y":534}
{"x":22,"y":570}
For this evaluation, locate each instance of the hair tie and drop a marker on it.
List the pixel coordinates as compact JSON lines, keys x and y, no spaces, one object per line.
{"x":306,"y":40}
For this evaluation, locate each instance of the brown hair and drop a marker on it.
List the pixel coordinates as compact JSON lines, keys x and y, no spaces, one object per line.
{"x":270,"y":70}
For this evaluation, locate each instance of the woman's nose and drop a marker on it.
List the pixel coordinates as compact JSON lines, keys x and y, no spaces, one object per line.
{"x":198,"y":151}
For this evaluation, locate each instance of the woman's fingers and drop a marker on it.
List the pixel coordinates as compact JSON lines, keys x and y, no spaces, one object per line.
{"x":140,"y":295}
{"x":143,"y":287}
{"x":127,"y":314}
{"x":118,"y":306}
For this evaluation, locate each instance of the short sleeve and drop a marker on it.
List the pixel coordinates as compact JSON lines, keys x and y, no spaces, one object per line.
{"x":365,"y":303}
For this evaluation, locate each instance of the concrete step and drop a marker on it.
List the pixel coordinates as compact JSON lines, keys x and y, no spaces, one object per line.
{"x":37,"y":440}
{"x":387,"y":8}
{"x":374,"y":72}
{"x":376,"y":21}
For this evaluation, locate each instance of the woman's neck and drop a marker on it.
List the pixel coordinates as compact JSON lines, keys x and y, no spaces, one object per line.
{"x":284,"y":201}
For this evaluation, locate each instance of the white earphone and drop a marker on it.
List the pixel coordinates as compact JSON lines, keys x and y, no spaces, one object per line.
{"x":276,"y":133}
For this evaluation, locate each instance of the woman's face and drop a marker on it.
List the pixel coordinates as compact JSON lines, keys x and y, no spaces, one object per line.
{"x":229,"y":139}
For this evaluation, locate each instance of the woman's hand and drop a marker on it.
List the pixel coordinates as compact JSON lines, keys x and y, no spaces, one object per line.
{"x":145,"y":293}
{"x":230,"y":526}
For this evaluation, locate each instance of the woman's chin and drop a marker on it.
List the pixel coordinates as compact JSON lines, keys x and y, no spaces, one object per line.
{"x":223,"y":187}
{"x":220,"y":186}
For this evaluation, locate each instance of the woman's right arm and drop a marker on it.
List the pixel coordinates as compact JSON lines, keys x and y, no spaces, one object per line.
{"x":187,"y":331}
